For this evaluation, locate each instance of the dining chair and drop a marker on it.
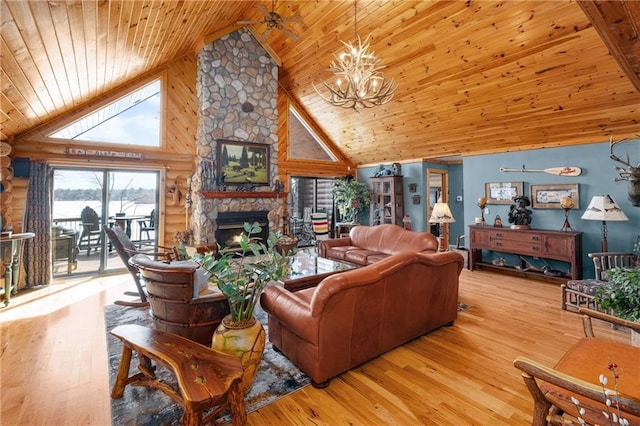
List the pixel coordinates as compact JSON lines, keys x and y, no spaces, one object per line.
{"x":147,"y":226}
{"x":574,"y":386}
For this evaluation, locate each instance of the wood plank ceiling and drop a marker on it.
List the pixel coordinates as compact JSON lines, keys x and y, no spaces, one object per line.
{"x":473,"y":76}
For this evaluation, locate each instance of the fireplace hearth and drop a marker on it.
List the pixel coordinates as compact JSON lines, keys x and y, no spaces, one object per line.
{"x":230,"y":225}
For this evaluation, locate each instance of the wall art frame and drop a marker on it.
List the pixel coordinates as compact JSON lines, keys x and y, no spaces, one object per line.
{"x":549,"y":196}
{"x":502,"y":192}
{"x":243,"y":163}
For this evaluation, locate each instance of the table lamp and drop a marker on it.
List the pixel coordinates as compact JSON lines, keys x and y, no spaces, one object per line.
{"x":604,"y":208}
{"x":441,"y":214}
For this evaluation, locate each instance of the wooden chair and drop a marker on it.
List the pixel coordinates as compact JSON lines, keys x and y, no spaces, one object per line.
{"x":125,"y":249}
{"x":577,"y":375}
{"x":207,"y":381}
{"x":91,"y":236}
{"x":177,"y":305}
{"x":581,"y":293}
{"x":147,"y":226}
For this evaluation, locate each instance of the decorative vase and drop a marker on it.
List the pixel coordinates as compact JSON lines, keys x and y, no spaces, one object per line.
{"x":245,"y":340}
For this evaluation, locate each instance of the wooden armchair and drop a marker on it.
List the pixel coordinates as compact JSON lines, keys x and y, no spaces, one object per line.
{"x":577,"y":375}
{"x":177,"y":304}
{"x":581,"y":293}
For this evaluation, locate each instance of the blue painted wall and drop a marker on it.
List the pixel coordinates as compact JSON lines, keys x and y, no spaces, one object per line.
{"x":469,"y":178}
{"x":597,"y":178}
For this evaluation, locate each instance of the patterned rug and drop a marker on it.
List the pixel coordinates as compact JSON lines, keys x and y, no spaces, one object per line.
{"x":276,"y":378}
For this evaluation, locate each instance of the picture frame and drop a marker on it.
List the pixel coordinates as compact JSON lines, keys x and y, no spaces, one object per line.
{"x":502,"y":192}
{"x":243,"y":163}
{"x":549,"y":196}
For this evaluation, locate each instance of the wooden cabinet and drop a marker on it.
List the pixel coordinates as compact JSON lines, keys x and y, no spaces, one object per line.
{"x":538,"y":243}
{"x":387,"y":200}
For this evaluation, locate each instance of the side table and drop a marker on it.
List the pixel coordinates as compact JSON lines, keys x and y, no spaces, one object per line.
{"x":11,"y":248}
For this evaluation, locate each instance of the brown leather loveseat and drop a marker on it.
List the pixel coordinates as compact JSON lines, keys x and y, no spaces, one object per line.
{"x":368,"y":244}
{"x":354,"y":316}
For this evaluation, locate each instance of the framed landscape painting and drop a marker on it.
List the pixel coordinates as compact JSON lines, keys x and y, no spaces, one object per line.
{"x":502,"y":192}
{"x":550,"y":196}
{"x":243,"y":162}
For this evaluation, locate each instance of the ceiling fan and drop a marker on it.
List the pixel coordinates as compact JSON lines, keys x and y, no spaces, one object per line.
{"x":274,"y":20}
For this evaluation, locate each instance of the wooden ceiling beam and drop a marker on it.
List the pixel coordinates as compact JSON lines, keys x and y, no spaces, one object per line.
{"x":615,"y":41}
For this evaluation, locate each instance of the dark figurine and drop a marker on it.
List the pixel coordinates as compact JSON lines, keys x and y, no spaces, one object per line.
{"x":519,"y":214}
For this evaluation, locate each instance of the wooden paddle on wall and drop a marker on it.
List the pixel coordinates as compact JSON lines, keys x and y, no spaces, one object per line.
{"x":558,"y":171}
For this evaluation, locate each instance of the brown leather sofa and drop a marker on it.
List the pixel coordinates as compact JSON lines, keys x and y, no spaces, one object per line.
{"x":354,"y":316}
{"x":368,"y":244}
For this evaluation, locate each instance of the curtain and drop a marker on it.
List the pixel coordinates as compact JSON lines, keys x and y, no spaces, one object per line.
{"x":37,"y":251}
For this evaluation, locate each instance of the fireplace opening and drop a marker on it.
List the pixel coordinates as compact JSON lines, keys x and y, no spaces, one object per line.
{"x":230,"y":226}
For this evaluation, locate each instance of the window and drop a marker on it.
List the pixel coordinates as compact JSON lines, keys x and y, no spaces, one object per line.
{"x":304,"y":142}
{"x":133,"y":119}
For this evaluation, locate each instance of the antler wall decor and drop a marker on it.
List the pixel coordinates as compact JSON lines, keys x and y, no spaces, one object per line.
{"x":630,"y":174}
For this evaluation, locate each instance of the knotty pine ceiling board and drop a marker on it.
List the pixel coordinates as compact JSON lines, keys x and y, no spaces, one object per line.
{"x":472,"y":75}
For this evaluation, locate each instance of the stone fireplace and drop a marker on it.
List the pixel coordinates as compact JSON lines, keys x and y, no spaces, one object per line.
{"x":238,"y":97}
{"x":230,"y":225}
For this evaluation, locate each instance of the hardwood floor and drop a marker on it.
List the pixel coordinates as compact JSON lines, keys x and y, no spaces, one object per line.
{"x":53,"y":365}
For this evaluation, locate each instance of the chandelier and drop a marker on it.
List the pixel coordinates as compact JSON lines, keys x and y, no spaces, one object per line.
{"x":358,"y":82}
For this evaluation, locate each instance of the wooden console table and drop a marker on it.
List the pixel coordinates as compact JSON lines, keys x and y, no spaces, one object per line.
{"x":540,"y":243}
{"x":11,"y":249}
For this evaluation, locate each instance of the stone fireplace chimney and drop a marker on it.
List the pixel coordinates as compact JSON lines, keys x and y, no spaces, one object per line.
{"x":238,"y":97}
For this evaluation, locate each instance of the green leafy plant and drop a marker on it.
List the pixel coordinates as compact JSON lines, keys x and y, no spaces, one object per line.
{"x":243,"y":276}
{"x":347,"y":188}
{"x":622,"y":293}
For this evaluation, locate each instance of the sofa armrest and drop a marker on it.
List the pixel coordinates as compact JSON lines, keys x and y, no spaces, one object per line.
{"x":337,"y":242}
{"x":290,"y":310}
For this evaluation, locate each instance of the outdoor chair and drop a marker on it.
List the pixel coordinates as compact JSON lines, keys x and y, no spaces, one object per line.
{"x":91,"y":236}
{"x":126,"y":249}
{"x":179,"y":305}
{"x":581,"y":293}
{"x":147,"y":226}
{"x":577,"y":374}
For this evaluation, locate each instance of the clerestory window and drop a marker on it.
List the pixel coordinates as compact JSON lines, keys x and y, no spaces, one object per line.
{"x":133,"y":119}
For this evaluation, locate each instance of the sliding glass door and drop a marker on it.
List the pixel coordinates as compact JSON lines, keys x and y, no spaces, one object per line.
{"x":84,"y":200}
{"x":308,"y":195}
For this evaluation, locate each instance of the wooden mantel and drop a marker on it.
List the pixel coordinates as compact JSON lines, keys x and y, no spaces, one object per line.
{"x":242,"y":194}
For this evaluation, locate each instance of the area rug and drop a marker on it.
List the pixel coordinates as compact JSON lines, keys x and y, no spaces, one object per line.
{"x":276,"y":378}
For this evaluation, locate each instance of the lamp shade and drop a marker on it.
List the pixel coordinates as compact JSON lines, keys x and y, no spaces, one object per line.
{"x":441,"y":214}
{"x":603,"y":207}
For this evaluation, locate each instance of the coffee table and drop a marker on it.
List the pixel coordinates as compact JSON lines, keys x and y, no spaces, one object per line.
{"x":307,"y":270}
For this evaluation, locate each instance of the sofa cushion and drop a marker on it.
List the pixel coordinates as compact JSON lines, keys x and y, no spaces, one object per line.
{"x":359,"y":256}
{"x":588,"y":286}
{"x":338,"y":252}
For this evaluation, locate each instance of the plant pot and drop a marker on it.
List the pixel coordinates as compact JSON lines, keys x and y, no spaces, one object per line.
{"x":245,"y":341}
{"x":635,"y":339}
{"x":285,"y":246}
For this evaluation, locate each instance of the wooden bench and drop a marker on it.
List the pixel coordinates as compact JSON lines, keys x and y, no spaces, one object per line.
{"x":206,"y":379}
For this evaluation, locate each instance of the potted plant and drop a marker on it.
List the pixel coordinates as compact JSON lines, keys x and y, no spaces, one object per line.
{"x":622,"y":293}
{"x":350,"y":195}
{"x":242,"y":277}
